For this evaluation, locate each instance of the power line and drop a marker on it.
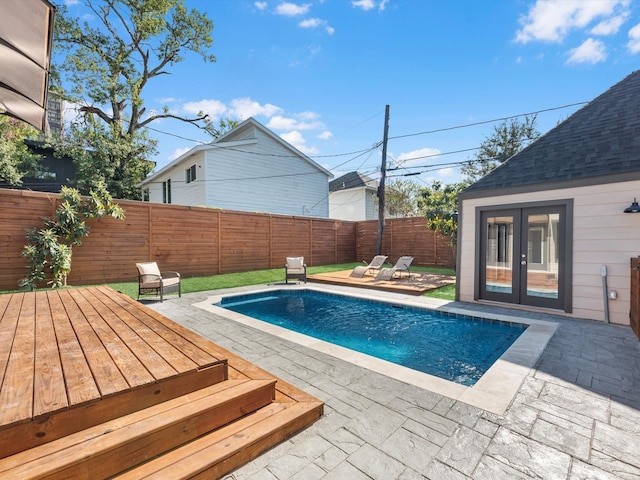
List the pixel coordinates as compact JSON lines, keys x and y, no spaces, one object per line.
{"x":486,"y":121}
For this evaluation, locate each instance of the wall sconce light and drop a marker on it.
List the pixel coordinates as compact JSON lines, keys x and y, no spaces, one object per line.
{"x":633,"y":208}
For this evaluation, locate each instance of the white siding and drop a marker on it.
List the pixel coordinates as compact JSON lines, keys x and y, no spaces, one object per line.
{"x":602,"y":235}
{"x":265,"y":177}
{"x":182,"y":193}
{"x":355,"y":204}
{"x":348,"y":204}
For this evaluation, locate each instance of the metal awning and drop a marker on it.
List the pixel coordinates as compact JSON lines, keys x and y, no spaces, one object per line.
{"x":26,"y":34}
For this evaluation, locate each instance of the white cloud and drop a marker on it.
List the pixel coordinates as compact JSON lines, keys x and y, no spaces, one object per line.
{"x":260,"y":5}
{"x":68,"y":3}
{"x":168,"y":100}
{"x":311,"y":23}
{"x":326,"y":135}
{"x":591,"y":51}
{"x":213,"y":108}
{"x":296,"y":139}
{"x":420,"y":156}
{"x":283,"y":123}
{"x":364,"y":4}
{"x":370,"y":4}
{"x":244,"y":108}
{"x":445,"y":172}
{"x":178,"y":152}
{"x":315,"y":23}
{"x":610,"y":26}
{"x":292,"y":10}
{"x":634,"y":39}
{"x":553,"y":20}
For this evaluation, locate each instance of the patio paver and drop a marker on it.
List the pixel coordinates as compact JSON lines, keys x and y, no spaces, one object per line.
{"x":575,"y":416}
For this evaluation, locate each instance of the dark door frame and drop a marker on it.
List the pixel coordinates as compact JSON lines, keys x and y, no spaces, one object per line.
{"x":565,"y":255}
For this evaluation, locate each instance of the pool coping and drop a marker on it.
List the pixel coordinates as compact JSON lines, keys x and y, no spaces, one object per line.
{"x":495,"y":390}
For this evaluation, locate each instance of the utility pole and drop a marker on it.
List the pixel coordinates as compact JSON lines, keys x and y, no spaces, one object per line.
{"x":383,"y":172}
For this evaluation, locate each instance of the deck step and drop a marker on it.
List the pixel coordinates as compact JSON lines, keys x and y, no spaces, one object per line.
{"x":30,"y":434}
{"x":232,"y":446}
{"x":112,"y":447}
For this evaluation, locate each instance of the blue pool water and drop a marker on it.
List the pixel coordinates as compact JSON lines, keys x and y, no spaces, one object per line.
{"x":454,"y":347}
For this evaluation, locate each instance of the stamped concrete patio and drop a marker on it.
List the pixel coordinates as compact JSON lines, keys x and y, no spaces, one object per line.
{"x":576,"y":414}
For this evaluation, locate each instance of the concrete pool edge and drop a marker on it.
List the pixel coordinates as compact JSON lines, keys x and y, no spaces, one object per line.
{"x":494,"y":392}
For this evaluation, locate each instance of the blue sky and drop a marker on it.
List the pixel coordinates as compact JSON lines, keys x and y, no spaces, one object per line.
{"x":319,"y":74}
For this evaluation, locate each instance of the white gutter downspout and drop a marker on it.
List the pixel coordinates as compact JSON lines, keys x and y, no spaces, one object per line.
{"x":605,"y":294}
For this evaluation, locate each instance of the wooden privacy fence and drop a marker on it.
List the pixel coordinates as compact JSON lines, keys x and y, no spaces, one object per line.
{"x":404,"y":236}
{"x":200,"y":241}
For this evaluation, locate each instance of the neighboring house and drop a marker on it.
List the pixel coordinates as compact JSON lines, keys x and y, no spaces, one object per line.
{"x":546,"y":229}
{"x":353,"y":196}
{"x":53,"y":173}
{"x":249,"y":168}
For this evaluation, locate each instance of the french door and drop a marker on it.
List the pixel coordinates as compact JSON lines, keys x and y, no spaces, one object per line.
{"x":524,"y":255}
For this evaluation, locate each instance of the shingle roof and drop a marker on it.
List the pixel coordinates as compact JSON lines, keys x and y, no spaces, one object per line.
{"x":351,"y":180}
{"x":600,"y":139}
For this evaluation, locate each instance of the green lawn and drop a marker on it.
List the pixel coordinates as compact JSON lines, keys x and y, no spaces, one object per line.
{"x":257,"y":277}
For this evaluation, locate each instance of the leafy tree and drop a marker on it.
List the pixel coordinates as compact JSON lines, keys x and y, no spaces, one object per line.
{"x":50,"y":248}
{"x":108,"y":63}
{"x":102,"y":156}
{"x":439,"y":205}
{"x":224,"y":125}
{"x":16,"y":160}
{"x":401,"y":197}
{"x":507,"y":139}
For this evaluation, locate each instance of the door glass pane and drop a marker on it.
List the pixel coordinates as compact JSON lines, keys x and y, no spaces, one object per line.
{"x":499,"y":254}
{"x":542,"y":255}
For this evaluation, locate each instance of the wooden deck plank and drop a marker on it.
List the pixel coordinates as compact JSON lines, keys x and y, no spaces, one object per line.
{"x":16,"y":395}
{"x":4,"y":303}
{"x":49,"y":390}
{"x":112,"y":314}
{"x":220,"y":452}
{"x":59,"y":424}
{"x":105,"y":372}
{"x":81,"y":386}
{"x":132,"y":370}
{"x":8,"y":326}
{"x":201,"y":352}
{"x":110,"y":448}
{"x":156,"y":467}
{"x":179,"y":361}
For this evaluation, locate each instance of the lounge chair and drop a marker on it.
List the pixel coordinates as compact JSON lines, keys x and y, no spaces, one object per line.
{"x":295,"y":268}
{"x":402,"y":265}
{"x":375,"y":264}
{"x":153,"y":282}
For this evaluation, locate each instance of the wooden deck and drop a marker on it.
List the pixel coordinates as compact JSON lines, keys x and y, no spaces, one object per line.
{"x":93,"y":381}
{"x":415,"y":284}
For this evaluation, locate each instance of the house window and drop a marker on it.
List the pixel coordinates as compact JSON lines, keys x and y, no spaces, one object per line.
{"x":190,"y":173}
{"x":166,"y":191}
{"x":145,"y":195}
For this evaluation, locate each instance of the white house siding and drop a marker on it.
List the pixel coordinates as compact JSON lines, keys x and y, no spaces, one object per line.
{"x":265,"y":177}
{"x":353,"y":204}
{"x":602,"y":235}
{"x":182,"y":193}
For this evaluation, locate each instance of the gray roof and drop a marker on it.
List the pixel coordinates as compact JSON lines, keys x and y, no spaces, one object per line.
{"x":600,"y":143}
{"x":352,"y":180}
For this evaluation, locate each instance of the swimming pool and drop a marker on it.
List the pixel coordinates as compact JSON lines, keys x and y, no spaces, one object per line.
{"x":494,"y":392}
{"x":455,"y":347}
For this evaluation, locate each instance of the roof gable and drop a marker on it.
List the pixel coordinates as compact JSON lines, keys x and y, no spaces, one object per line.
{"x":242,"y":135}
{"x":600,"y":139}
{"x":352,"y":180}
{"x":241,"y":130}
